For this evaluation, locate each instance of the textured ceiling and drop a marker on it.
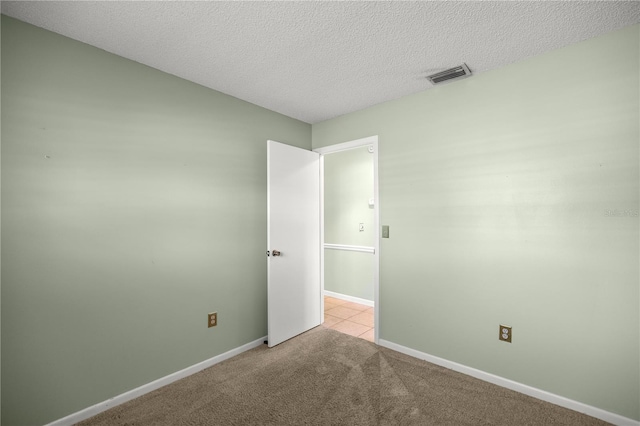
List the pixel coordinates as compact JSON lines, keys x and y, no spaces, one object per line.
{"x":317,"y":60}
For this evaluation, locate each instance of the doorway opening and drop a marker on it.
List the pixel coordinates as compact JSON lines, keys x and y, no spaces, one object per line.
{"x":350,"y":237}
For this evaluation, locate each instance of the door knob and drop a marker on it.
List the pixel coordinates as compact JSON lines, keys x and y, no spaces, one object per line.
{"x":275,"y":253}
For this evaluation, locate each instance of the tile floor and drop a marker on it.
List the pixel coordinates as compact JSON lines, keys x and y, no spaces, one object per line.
{"x":348,"y":317}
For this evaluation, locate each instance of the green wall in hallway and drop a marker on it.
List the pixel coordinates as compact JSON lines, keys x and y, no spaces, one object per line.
{"x":348,"y":186}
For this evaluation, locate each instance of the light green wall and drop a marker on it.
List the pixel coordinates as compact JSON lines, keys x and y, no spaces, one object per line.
{"x":133,"y":203}
{"x":348,"y":186}
{"x":499,"y":191}
{"x":349,"y":273}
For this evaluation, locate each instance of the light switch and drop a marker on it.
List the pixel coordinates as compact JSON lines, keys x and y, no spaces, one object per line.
{"x":361,"y":227}
{"x":385,"y":231}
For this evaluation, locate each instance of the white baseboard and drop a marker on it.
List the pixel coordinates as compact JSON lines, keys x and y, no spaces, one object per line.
{"x":156,"y":384}
{"x":561,"y":401}
{"x":354,"y":299}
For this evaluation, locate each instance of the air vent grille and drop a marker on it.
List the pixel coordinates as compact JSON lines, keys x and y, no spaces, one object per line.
{"x":450,"y":74}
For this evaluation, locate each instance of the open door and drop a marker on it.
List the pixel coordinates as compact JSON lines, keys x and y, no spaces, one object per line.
{"x":293,"y":241}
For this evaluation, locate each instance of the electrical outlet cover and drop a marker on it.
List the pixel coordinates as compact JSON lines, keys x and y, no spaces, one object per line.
{"x":505,"y":333}
{"x":212,"y":319}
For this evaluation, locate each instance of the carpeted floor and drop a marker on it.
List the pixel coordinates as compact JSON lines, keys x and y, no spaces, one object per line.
{"x":324,"y":377}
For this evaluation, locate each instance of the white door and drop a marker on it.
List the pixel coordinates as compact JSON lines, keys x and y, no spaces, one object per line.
{"x":293,"y":241}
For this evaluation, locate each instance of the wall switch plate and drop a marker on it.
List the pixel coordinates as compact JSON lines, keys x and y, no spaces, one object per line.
{"x":505,"y":333}
{"x":361,"y":227}
{"x":213,"y":319}
{"x":385,"y":231}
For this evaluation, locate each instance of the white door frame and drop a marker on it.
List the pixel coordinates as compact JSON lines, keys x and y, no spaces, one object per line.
{"x":372,"y":141}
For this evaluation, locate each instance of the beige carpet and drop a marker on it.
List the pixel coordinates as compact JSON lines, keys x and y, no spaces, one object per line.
{"x":324,"y":377}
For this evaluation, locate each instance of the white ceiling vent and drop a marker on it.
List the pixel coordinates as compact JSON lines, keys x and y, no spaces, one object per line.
{"x":461,"y":71}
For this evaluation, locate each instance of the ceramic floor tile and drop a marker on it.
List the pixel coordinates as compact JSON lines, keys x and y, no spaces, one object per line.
{"x":330,"y":320}
{"x":342,"y":312}
{"x":328,"y":306}
{"x":364,"y":318}
{"x":356,"y":306}
{"x":329,"y":299}
{"x":351,"y":328}
{"x":367,"y":335}
{"x":349,"y":318}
